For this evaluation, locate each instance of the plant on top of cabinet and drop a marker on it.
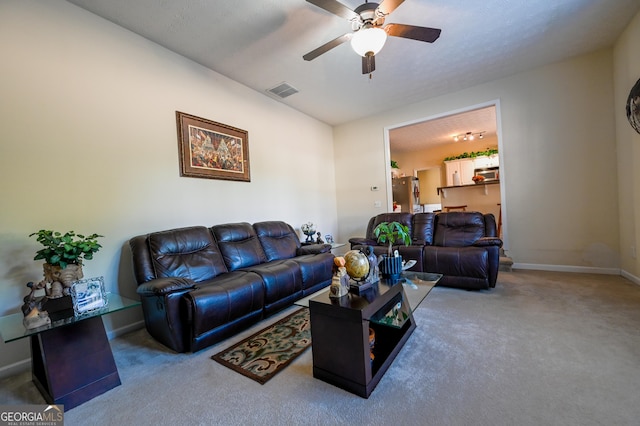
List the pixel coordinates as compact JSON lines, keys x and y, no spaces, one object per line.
{"x":488,"y":152}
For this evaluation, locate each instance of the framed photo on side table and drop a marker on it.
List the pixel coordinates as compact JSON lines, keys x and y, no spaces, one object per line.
{"x":212,"y":150}
{"x":88,"y":295}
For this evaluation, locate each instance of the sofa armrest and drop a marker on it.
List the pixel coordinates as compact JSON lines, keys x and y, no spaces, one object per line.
{"x":163,"y":286}
{"x":313,"y":249}
{"x":488,"y":241}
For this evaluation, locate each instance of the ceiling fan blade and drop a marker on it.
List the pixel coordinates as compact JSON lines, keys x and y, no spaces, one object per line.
{"x":327,"y":46}
{"x":388,"y":6}
{"x":410,"y":31}
{"x":368,"y":64}
{"x":335,"y":7}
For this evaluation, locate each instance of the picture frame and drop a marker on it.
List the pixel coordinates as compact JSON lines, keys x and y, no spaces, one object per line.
{"x":88,"y":295}
{"x":212,"y":150}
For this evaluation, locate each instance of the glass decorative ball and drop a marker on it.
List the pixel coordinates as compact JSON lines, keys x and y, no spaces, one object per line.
{"x":357,"y":264}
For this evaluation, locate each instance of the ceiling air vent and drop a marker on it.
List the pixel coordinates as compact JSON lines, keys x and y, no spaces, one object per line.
{"x":283,"y":90}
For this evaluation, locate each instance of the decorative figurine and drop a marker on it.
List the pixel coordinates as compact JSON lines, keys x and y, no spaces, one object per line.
{"x":374,"y":270}
{"x":308,"y":229}
{"x":36,"y":318}
{"x":340,"y":281}
{"x":319,"y":240}
{"x":30,"y":300}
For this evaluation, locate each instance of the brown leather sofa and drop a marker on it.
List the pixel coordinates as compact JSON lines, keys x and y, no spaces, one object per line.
{"x":200,"y":285}
{"x":463,"y":246}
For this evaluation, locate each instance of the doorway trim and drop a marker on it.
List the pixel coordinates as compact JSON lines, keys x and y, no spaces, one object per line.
{"x":503,"y":170}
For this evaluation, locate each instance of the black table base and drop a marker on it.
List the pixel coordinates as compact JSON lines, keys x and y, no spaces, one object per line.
{"x":74,"y":363}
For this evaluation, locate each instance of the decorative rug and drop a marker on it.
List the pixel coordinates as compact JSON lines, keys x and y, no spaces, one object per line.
{"x":264,"y":354}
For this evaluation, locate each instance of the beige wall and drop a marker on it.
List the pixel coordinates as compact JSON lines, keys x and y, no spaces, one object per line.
{"x":89,"y":143}
{"x":627,"y":72}
{"x":557,"y":128}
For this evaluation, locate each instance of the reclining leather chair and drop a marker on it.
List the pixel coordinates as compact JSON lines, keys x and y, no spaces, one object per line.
{"x":463,"y":246}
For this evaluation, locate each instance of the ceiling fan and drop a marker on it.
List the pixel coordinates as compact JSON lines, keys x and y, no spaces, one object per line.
{"x":369,"y":34}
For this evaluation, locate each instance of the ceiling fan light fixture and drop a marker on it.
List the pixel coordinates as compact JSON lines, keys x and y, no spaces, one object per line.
{"x":368,"y":39}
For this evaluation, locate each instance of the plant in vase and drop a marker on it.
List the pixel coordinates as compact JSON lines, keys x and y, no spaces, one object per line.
{"x":63,"y":255}
{"x":389,"y":233}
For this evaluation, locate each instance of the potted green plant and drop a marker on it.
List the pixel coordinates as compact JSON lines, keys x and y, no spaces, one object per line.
{"x":389,"y":233}
{"x":394,"y":169}
{"x":63,"y":255}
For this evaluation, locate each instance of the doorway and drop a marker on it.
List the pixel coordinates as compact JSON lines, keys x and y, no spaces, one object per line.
{"x":429,"y":180}
{"x":425,"y":143}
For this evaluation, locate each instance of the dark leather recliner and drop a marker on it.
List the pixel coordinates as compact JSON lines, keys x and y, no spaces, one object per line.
{"x":463,"y":246}
{"x":201,"y":285}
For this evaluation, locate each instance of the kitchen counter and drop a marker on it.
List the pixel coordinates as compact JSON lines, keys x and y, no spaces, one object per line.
{"x":483,"y":185}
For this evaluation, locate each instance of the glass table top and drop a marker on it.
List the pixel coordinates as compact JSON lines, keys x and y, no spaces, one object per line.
{"x":12,"y":328}
{"x":416,"y":285}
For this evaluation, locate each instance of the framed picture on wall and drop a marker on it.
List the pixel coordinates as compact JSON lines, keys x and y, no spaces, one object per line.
{"x":212,"y":150}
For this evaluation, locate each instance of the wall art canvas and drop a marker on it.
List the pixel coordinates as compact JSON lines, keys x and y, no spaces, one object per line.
{"x":212,"y":150}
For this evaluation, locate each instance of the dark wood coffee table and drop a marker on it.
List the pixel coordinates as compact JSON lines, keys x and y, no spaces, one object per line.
{"x":340,"y":329}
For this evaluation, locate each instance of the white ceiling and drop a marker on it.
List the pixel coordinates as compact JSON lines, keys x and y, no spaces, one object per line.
{"x":440,"y":131}
{"x":260,"y":44}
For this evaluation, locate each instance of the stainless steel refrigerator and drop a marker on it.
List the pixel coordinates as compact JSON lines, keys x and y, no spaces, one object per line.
{"x":406,"y":194}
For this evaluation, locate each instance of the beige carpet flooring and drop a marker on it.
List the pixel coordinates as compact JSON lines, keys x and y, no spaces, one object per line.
{"x":542,"y":348}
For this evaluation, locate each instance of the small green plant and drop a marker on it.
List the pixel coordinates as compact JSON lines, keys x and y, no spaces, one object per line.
{"x":394,"y":164}
{"x":62,"y":250}
{"x":488,"y":152}
{"x":390,"y":232}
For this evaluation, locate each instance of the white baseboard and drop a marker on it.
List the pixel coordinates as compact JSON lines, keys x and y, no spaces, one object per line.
{"x":567,"y":268}
{"x":25,"y":364}
{"x":630,"y":277}
{"x":124,"y":329}
{"x":15,"y":368}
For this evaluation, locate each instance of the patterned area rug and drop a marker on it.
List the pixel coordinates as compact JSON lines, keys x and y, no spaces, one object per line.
{"x":264,"y":354}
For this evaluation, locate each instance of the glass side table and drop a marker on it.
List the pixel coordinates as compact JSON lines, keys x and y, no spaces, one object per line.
{"x":71,"y":359}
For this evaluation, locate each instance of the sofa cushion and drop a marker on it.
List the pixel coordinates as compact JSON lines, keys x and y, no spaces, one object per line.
{"x":239,"y":245}
{"x":316,"y":271}
{"x":223,"y":300}
{"x":186,"y":253}
{"x":458,"y":229}
{"x":458,"y":261}
{"x":278,"y":239}
{"x":422,"y":233}
{"x":282,"y":281}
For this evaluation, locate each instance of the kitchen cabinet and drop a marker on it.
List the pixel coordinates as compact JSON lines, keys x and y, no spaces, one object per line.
{"x":464,"y":168}
{"x":486,"y":161}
